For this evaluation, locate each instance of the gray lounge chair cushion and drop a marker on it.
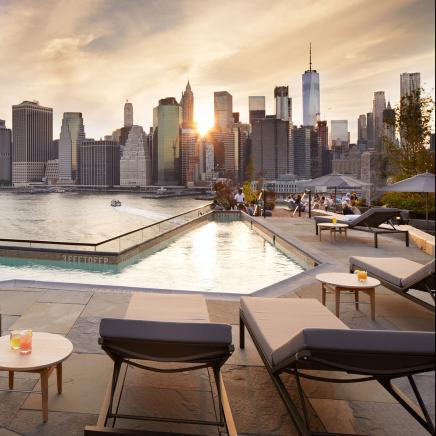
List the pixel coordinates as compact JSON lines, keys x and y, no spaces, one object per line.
{"x":396,"y":270}
{"x":276,"y":321}
{"x":375,"y":217}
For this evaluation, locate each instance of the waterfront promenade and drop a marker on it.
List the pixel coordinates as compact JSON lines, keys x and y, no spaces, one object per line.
{"x":75,"y":311}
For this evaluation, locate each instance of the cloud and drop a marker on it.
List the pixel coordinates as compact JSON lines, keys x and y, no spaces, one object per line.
{"x":90,"y":55}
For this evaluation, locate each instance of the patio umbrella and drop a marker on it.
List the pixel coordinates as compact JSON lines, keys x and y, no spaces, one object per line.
{"x":420,"y":183}
{"x":335,"y":181}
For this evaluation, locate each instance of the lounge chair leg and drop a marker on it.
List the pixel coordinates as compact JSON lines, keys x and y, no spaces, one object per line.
{"x":375,"y":240}
{"x":216,"y":373}
{"x":241,"y":333}
{"x":115,"y":376}
{"x":356,"y":299}
{"x":407,"y":239}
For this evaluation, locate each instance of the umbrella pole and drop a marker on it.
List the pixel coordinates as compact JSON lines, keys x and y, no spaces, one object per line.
{"x":426,"y":209}
{"x":336,"y":196}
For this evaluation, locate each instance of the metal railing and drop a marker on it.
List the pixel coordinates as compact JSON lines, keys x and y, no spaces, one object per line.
{"x":116,"y":244}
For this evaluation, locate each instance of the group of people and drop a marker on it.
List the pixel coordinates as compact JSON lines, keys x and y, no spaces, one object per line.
{"x":239,"y":203}
{"x":348,"y":202}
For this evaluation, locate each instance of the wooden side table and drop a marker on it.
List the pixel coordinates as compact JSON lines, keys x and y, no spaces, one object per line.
{"x":346,"y":282}
{"x":333,"y":228}
{"x":48,"y":353}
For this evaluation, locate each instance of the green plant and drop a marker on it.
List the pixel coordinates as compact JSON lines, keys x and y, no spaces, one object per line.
{"x":409,"y":201}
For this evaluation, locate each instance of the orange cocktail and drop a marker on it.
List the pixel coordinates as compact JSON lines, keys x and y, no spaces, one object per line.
{"x":26,"y":342}
{"x":334,"y":220}
{"x":362,"y":276}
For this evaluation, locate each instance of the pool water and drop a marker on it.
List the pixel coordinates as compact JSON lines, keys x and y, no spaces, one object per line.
{"x":215,"y":257}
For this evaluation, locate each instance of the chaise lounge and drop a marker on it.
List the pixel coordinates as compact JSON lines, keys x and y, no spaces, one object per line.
{"x":296,"y":335}
{"x":158,"y":330}
{"x":400,"y":275}
{"x":370,"y":222}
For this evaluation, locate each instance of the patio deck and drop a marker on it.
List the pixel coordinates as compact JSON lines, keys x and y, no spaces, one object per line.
{"x":257,"y":409}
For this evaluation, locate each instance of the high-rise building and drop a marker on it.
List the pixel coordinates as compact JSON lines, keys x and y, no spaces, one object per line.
{"x":322,"y":135}
{"x":340,"y":137}
{"x":256,"y":108}
{"x":225,"y":155}
{"x":389,"y":124}
{"x":167,"y":118}
{"x":135,"y":164}
{"x":302,"y":145}
{"x":409,"y":83}
{"x":5,"y":154}
{"x":361,"y":129}
{"x":270,"y":149}
{"x":32,"y":131}
{"x":190,"y":158}
{"x":99,"y":163}
{"x":223,"y":108}
{"x":311,"y":95}
{"x":379,"y":105}
{"x":128,"y":114}
{"x":283,"y":103}
{"x":187,"y":103}
{"x":370,"y":130}
{"x":71,"y":137}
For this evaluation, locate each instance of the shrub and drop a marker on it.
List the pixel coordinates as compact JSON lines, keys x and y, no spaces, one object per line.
{"x":409,"y":201}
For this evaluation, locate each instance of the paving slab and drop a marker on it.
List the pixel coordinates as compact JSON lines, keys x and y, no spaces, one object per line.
{"x":107,"y":305}
{"x":6,"y":432}
{"x":10,"y":403}
{"x":336,"y":415}
{"x":385,"y":419}
{"x":249,"y":356}
{"x":85,"y":380}
{"x":221,"y":311}
{"x":16,"y":302}
{"x":65,"y":296}
{"x":49,"y":317}
{"x":30,"y":423}
{"x":256,"y":405}
{"x":84,"y":335}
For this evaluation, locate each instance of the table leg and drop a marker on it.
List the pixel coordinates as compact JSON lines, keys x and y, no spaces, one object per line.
{"x":356,"y":299}
{"x":337,"y":300}
{"x":346,"y":236}
{"x":59,"y":377}
{"x":324,"y":292}
{"x":371,"y":293}
{"x":44,"y":392}
{"x":11,"y":380}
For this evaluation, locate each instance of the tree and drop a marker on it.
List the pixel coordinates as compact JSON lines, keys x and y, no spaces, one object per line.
{"x":412,"y":122}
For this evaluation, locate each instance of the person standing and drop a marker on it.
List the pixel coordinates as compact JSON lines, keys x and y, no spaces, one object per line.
{"x":239,"y":198}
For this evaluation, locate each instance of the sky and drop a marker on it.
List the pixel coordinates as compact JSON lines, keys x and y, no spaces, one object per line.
{"x":91,"y":55}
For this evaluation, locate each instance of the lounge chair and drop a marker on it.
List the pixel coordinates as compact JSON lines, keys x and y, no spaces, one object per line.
{"x":400,"y":275}
{"x":164,"y":329}
{"x":370,"y":222}
{"x":292,"y":335}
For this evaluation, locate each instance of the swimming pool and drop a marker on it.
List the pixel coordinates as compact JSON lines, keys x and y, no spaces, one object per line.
{"x":226,"y":257}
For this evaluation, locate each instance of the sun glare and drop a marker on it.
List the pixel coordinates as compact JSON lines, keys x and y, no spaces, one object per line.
{"x":204,"y":119}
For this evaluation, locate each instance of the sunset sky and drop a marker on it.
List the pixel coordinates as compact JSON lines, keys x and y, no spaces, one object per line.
{"x":92,"y":55}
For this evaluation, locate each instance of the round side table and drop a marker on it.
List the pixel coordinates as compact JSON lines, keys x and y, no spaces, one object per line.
{"x":48,"y":353}
{"x":340,"y":282}
{"x":333,"y":228}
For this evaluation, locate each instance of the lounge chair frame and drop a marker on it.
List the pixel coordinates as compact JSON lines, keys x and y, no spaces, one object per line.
{"x":215,"y":364}
{"x":424,"y":285}
{"x":319,"y":361}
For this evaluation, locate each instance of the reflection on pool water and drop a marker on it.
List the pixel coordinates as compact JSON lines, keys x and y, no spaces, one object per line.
{"x":216,"y":257}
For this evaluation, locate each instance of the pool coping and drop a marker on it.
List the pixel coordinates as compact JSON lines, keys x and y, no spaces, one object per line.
{"x":320,"y":263}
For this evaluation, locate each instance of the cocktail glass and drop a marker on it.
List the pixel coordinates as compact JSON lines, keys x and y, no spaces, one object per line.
{"x":26,"y":342}
{"x":15,"y":340}
{"x":362,"y":276}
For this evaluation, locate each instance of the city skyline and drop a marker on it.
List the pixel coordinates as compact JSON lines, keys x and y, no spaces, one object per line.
{"x":73,"y":68}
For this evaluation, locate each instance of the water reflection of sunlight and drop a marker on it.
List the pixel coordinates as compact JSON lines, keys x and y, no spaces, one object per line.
{"x":204,"y":251}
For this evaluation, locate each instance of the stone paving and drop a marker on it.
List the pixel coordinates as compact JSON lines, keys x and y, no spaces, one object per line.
{"x":75,"y":311}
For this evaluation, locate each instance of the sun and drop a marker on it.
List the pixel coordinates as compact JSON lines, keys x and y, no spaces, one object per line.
{"x":204,"y":119}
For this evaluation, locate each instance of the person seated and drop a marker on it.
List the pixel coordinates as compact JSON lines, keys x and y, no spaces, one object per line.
{"x":242,"y":207}
{"x":346,"y":209}
{"x":217,"y":206}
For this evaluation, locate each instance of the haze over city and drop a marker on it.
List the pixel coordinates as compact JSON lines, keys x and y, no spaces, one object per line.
{"x":91,"y":56}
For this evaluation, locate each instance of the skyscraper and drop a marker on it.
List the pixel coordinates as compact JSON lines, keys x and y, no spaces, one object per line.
{"x":340,"y":137}
{"x":5,"y":154}
{"x":223,"y":108}
{"x":311,"y":95}
{"x":389,"y":124}
{"x":187,"y":103}
{"x":256,"y":108}
{"x":167,"y":118}
{"x":302,"y":144}
{"x":99,"y":163}
{"x":283,"y":103}
{"x":135,"y":164}
{"x":190,"y":158}
{"x":409,"y":82}
{"x":379,"y":105}
{"x":128,"y":114}
{"x":32,"y":130}
{"x":70,"y":139}
{"x":362,"y":133}
{"x":370,"y":130}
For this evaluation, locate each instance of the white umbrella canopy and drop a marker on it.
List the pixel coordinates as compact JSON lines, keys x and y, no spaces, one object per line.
{"x":331,"y":181}
{"x":420,"y":183}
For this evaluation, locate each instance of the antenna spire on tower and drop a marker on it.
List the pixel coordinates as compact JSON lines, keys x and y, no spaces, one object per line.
{"x":310,"y":56}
